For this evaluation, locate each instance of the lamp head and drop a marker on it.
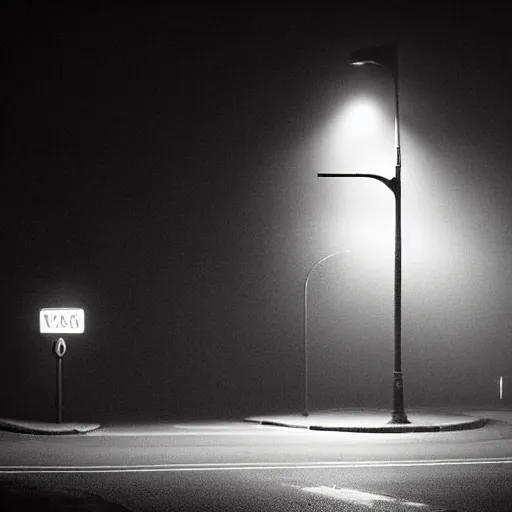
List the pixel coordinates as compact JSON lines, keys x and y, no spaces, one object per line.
{"x":385,"y":56}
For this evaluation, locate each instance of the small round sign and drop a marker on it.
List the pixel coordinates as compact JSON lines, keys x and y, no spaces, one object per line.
{"x":59,"y":348}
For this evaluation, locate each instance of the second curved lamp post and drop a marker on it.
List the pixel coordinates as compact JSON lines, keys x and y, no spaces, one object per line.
{"x":306,"y":406}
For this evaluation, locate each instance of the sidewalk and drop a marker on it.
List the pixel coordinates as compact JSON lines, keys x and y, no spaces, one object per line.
{"x":336,"y":420}
{"x":44,"y":428}
{"x":372,"y":421}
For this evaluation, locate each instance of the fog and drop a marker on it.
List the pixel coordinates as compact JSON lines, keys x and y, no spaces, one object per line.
{"x":161,"y":172}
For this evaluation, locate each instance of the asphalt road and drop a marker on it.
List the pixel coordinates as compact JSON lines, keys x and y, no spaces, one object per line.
{"x":239,"y":466}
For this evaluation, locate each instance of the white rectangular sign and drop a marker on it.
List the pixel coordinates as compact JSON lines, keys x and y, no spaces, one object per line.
{"x":61,"y":321}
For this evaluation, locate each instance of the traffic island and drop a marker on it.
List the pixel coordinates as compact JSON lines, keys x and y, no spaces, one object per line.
{"x":371,"y":421}
{"x":46,"y":428}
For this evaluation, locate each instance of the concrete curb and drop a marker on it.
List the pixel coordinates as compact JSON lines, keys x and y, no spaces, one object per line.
{"x":271,"y":423}
{"x":398,"y":429}
{"x":44,"y":428}
{"x":384,"y":429}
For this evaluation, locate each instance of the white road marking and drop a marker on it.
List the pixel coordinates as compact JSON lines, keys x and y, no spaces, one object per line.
{"x":366,"y":499}
{"x":239,"y":466}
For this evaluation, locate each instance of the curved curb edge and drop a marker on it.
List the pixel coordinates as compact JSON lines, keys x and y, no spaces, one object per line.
{"x":468,"y":425}
{"x":26,"y":429}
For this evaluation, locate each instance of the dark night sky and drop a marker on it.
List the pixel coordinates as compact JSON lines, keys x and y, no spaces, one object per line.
{"x":160,"y":169}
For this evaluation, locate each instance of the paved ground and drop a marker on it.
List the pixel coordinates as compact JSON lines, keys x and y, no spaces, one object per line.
{"x":18,"y":496}
{"x":249,"y":466}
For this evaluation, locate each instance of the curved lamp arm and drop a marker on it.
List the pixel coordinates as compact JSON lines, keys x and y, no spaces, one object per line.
{"x":390,"y":183}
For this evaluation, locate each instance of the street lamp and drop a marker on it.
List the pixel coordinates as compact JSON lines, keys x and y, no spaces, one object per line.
{"x":386,"y":57}
{"x":306,"y":409}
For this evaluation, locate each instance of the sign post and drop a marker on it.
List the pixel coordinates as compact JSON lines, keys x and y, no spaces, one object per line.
{"x":59,"y":349}
{"x":60,"y":321}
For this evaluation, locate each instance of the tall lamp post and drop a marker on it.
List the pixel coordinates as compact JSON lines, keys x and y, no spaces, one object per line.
{"x":386,"y":57}
{"x":306,"y":408}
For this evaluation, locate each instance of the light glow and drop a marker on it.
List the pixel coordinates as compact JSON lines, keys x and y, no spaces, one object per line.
{"x":362,"y":116}
{"x":357,"y":139}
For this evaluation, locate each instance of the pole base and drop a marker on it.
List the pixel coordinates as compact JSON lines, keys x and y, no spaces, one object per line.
{"x":398,"y":418}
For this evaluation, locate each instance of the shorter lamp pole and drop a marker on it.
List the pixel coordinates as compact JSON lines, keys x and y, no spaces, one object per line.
{"x":306,"y":370}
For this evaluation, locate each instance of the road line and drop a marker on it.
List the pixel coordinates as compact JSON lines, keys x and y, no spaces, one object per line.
{"x":239,"y":466}
{"x":302,"y":463}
